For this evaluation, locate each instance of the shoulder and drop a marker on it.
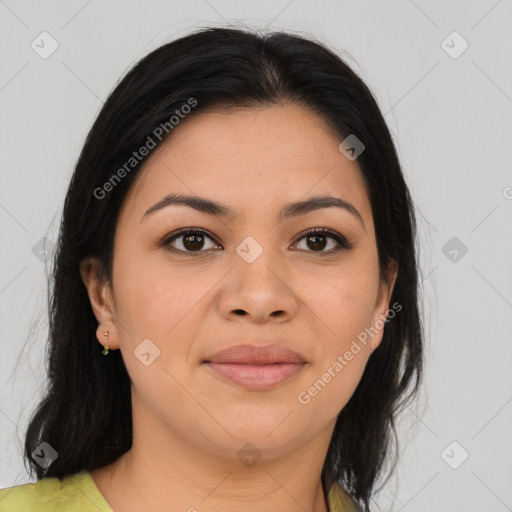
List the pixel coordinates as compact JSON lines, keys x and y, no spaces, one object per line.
{"x":341,"y":501}
{"x":70,"y":494}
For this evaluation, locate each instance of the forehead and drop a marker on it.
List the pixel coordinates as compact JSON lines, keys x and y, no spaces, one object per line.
{"x":254,"y":159}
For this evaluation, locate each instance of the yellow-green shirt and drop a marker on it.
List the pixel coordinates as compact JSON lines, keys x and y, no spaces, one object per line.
{"x":78,"y":493}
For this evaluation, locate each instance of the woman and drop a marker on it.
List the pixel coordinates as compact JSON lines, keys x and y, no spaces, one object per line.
{"x":234,"y":320}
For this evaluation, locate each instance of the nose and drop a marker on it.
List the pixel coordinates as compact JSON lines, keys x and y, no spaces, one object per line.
{"x":259,"y":291}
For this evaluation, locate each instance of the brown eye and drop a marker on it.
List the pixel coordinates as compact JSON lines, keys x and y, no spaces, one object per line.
{"x":317,"y":240}
{"x":189,"y":241}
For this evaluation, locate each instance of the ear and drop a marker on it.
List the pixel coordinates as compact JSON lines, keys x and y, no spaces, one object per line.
{"x":101,"y":298}
{"x":382,"y":304}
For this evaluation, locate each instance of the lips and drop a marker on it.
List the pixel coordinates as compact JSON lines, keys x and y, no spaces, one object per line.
{"x":251,"y":354}
{"x":256,"y":368}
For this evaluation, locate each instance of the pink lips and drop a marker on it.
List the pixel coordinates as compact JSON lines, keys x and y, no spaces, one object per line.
{"x":257,"y":368}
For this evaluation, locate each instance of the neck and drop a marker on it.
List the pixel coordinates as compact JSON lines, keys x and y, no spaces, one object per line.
{"x":165,"y":472}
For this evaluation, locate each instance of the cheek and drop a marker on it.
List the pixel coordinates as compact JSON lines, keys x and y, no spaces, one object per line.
{"x":343,"y":353}
{"x":345,"y":306}
{"x":163,"y":304}
{"x":151,"y":297}
{"x":332,"y":387}
{"x":160,"y":308}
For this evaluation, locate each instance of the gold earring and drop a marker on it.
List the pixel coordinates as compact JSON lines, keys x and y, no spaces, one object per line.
{"x":105,"y":349}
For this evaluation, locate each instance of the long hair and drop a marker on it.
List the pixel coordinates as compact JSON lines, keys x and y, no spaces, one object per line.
{"x":85,"y":413}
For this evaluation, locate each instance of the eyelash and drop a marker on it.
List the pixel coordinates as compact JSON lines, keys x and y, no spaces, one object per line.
{"x":343,"y":244}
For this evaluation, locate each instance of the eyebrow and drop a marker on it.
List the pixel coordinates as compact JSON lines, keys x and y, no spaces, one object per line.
{"x":209,"y":207}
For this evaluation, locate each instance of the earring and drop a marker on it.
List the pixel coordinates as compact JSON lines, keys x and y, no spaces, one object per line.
{"x":105,"y":349}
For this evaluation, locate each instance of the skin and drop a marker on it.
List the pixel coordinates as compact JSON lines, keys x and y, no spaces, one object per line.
{"x":189,"y":424}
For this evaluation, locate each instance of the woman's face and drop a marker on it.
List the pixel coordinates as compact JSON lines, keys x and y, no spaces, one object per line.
{"x":254,"y":278}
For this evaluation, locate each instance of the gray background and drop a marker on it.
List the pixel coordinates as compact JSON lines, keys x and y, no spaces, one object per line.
{"x":451,"y":117}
